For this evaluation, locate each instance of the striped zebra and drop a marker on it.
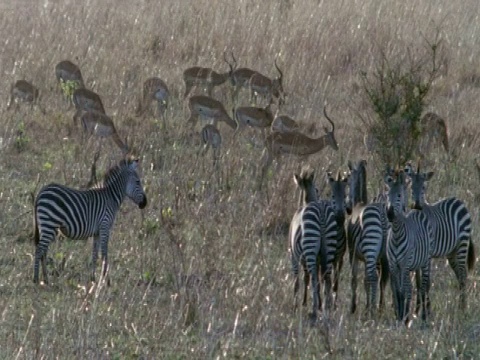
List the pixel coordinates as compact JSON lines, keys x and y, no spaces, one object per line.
{"x":313,"y":234}
{"x":409,"y":249}
{"x":452,"y":227}
{"x":367,"y":231}
{"x":79,"y":214}
{"x":338,"y":189}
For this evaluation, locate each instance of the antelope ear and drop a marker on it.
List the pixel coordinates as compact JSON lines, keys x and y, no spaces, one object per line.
{"x":297,"y":179}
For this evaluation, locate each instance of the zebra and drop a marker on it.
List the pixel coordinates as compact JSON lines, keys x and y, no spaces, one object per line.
{"x":313,"y":234}
{"x":367,"y":230}
{"x":79,"y":214}
{"x":408,"y":249}
{"x":452,"y":226}
{"x":338,"y":186}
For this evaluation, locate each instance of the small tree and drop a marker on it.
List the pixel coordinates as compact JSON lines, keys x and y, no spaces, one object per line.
{"x":396,"y":92}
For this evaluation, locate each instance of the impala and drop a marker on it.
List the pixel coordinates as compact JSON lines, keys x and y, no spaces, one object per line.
{"x":284,"y":123}
{"x":23,"y":91}
{"x":295,"y":143}
{"x":67,"y":71}
{"x":100,"y":125}
{"x":205,"y":77}
{"x":154,"y":89}
{"x":69,"y":77}
{"x":256,"y":117}
{"x":432,"y":128}
{"x":85,"y":99}
{"x":258,"y":83}
{"x":208,"y":109}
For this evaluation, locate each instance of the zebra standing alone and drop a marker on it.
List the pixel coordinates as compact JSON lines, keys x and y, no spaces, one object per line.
{"x":408,"y":249}
{"x":367,"y":230}
{"x":313,"y":236}
{"x":79,"y":214}
{"x":452,"y":226}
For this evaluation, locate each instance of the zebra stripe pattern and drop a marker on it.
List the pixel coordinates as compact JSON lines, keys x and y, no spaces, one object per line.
{"x":409,"y":249}
{"x":313,"y":237}
{"x":338,"y":186}
{"x":452,"y":226}
{"x":80,"y":214}
{"x":367,"y":231}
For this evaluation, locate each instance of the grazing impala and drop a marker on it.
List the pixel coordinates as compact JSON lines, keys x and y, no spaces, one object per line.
{"x":154,"y":89}
{"x":23,"y":91}
{"x":295,"y":143}
{"x":433,"y":128}
{"x":208,"y":109}
{"x":256,"y":117}
{"x":69,"y":77}
{"x":100,"y":125}
{"x":205,"y":77}
{"x":284,"y":123}
{"x":85,"y":99}
{"x":258,"y":84}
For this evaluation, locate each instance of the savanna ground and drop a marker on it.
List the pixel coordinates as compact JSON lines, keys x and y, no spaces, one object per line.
{"x":203,"y":271}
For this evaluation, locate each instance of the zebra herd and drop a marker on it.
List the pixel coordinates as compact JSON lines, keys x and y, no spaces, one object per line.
{"x":391,"y":240}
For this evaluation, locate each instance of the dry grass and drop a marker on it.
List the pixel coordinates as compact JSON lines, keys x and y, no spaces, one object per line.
{"x":206,"y":280}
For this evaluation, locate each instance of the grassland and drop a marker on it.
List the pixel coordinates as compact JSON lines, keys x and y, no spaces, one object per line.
{"x":204,"y":272}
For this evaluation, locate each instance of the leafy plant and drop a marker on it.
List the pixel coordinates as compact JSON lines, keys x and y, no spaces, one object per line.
{"x":397,"y":93}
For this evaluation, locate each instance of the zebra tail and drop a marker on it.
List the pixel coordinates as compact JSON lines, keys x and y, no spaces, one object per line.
{"x":471,"y":255}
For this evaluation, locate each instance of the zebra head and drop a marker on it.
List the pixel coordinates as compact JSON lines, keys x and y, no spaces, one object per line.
{"x":306,"y":183}
{"x":396,"y":183}
{"x":338,"y":186}
{"x":134,"y":188}
{"x":357,"y":182}
{"x":418,"y":180}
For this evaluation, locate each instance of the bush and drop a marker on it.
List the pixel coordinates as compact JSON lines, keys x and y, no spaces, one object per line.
{"x":396,"y":90}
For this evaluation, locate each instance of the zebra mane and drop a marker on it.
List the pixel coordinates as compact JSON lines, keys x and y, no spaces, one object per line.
{"x":113,"y":173}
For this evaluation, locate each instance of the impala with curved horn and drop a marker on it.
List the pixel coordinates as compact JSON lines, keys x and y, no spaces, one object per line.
{"x":205,"y":77}
{"x":257,"y":83}
{"x":295,"y":143}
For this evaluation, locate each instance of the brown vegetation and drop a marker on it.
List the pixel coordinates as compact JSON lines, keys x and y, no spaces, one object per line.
{"x":203,"y":270}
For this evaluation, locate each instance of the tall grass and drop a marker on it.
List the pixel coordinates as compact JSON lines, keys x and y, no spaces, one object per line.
{"x":204,"y":272}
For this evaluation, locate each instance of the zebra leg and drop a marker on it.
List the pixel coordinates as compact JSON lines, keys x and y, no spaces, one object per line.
{"x":41,"y":254}
{"x":104,"y":246}
{"x":353,"y":283}
{"x":370,"y":283}
{"x":96,"y":245}
{"x":338,"y":268}
{"x":306,"y":281}
{"x":424,"y":291}
{"x":418,"y":282}
{"x":384,"y":275}
{"x":327,"y":280}
{"x":396,"y":294}
{"x":407,"y":296}
{"x":315,"y":293}
{"x":457,"y":262}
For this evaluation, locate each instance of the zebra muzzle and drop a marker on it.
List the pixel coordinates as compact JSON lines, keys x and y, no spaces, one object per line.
{"x":143,"y":203}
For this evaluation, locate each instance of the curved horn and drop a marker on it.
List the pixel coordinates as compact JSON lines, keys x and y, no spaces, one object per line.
{"x":232,"y":67}
{"x":330,"y":120}
{"x":279,"y":71}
